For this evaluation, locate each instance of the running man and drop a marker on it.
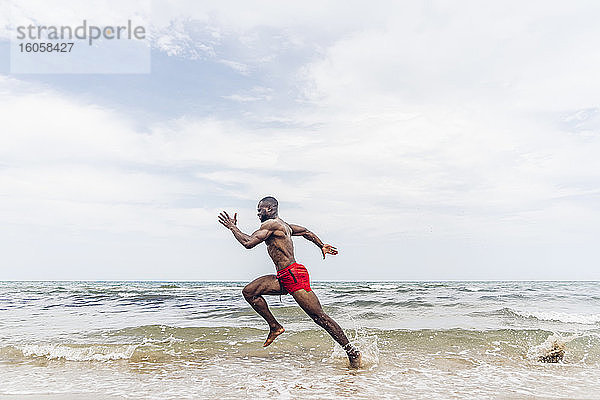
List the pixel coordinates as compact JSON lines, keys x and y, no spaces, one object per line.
{"x":291,"y":277}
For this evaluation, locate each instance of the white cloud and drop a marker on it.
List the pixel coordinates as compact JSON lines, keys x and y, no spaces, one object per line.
{"x":236,"y":66}
{"x":534,"y":59}
{"x":65,"y":161}
{"x":444,"y":162}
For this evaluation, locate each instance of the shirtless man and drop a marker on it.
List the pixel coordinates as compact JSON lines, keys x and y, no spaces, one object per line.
{"x":291,"y":277}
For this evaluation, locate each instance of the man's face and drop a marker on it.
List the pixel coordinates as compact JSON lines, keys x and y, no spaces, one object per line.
{"x":264,"y":211}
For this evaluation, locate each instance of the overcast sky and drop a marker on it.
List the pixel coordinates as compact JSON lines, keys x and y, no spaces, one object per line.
{"x":426,"y":140}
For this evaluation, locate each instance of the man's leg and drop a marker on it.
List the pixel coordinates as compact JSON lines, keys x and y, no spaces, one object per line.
{"x":311,"y":305}
{"x":253,"y":292}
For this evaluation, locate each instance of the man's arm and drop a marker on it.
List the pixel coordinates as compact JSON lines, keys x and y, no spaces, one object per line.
{"x":248,"y":241}
{"x":298,"y":230}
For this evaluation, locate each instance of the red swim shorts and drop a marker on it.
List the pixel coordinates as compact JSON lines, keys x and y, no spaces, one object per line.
{"x":294,"y":277}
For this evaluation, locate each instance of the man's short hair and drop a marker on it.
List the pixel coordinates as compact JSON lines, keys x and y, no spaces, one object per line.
{"x":272,"y":201}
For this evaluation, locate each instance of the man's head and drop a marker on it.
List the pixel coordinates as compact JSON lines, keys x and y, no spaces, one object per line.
{"x":267,"y":208}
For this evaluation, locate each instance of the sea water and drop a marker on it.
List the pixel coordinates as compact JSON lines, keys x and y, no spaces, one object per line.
{"x":201,"y":340}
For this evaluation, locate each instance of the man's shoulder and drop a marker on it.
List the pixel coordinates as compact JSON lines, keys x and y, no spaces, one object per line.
{"x":270,"y":224}
{"x":273,"y":225}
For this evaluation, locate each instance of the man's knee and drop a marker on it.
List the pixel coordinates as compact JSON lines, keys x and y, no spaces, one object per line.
{"x":249,"y":293}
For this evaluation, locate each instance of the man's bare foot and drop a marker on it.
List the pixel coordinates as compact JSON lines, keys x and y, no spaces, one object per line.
{"x":355,"y":359}
{"x":273,"y":334}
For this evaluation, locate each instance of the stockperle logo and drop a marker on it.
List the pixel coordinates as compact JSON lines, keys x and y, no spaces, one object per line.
{"x":85,"y":31}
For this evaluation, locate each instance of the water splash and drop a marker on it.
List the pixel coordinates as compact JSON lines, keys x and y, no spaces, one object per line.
{"x":552,"y":350}
{"x":366,"y":343}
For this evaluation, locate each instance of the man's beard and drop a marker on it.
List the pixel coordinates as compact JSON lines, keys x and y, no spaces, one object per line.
{"x":265,"y":217}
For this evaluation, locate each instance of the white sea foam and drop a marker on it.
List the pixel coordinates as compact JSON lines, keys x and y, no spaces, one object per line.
{"x":223,"y":288}
{"x":383,"y":286}
{"x":570,"y":318}
{"x":79,"y":353}
{"x":474,"y":288}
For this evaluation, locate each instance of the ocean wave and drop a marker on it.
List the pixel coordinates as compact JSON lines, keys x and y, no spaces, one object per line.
{"x":370,"y":304}
{"x":71,"y":352}
{"x":503,"y":297}
{"x":383,"y":286}
{"x":164,"y":344}
{"x":472,"y":289}
{"x":569,"y":318}
{"x":539,"y":315}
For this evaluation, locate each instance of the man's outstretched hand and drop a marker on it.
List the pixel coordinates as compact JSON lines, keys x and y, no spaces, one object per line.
{"x":328,"y":249}
{"x":227,"y":221}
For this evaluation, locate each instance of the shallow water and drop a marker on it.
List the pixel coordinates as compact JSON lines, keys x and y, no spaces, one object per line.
{"x":420,"y":340}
